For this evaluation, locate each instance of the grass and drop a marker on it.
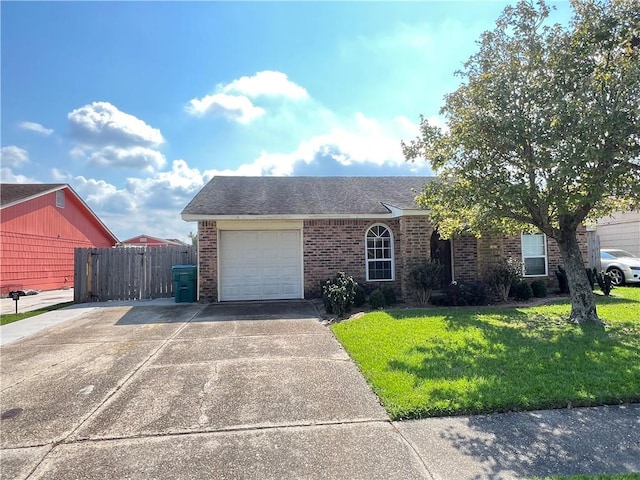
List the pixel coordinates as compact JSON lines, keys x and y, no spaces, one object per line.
{"x":14,"y":317}
{"x":468,"y":360}
{"x":622,"y":476}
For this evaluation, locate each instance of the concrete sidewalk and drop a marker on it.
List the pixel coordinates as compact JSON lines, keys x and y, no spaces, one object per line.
{"x":256,"y":392}
{"x":28,"y":303}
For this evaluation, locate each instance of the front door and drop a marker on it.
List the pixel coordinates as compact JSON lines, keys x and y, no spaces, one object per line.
{"x":441,"y":251}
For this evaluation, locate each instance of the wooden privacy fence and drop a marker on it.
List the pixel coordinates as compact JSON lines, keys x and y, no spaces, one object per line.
{"x":593,"y":250}
{"x":131,"y":273}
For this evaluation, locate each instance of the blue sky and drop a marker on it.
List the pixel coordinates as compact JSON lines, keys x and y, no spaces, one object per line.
{"x":138,"y":104}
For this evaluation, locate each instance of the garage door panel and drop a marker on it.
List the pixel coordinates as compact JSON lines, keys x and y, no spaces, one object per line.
{"x":260,"y":265}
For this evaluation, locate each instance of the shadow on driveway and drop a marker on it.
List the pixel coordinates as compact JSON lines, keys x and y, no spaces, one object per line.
{"x":220,"y":312}
{"x":277,"y":310}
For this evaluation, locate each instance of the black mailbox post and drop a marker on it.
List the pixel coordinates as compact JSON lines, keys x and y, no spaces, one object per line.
{"x":16,"y":297}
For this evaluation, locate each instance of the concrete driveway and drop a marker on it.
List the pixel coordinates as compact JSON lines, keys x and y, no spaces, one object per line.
{"x":254,"y":391}
{"x":187,"y":391}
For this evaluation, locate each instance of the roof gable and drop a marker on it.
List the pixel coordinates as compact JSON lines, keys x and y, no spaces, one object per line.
{"x":301,"y":196}
{"x":12,"y":193}
{"x":151,"y":239}
{"x":15,"y":193}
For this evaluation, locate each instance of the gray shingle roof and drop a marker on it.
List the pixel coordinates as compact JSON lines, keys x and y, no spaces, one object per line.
{"x":304,"y":195}
{"x":15,"y":192}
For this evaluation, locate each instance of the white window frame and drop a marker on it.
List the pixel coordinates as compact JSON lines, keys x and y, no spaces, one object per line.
{"x":546,"y":255}
{"x":391,"y":250}
{"x":60,"y":198}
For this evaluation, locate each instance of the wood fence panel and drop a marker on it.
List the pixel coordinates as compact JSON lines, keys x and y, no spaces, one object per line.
{"x":95,"y":273}
{"x":102,"y":274}
{"x":593,"y":250}
{"x":80,"y":259}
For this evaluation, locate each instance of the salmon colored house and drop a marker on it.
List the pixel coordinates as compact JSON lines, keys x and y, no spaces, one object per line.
{"x":41,"y":225}
{"x":149,"y":241}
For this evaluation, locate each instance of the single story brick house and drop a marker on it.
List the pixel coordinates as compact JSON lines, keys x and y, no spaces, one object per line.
{"x":271,"y":238}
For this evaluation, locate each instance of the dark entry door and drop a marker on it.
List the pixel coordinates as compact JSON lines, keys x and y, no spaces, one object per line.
{"x":441,"y":251}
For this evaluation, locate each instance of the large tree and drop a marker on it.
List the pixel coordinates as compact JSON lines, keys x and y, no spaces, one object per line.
{"x":544,"y":131}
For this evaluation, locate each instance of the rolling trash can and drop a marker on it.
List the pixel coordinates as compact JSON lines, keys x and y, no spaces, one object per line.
{"x":184,"y":282}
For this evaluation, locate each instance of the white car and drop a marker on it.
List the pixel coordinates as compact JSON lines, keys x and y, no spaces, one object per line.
{"x":624,"y":267}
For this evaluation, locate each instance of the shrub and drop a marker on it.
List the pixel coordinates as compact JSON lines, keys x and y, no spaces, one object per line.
{"x":604,"y":282}
{"x":592,"y":276}
{"x":424,"y":277}
{"x":360,"y":296}
{"x":389,"y":295}
{"x":523,"y":291}
{"x":539,"y":288}
{"x":563,"y":282}
{"x":339,"y":293}
{"x":377,"y":300}
{"x":502,"y":275}
{"x":464,"y":294}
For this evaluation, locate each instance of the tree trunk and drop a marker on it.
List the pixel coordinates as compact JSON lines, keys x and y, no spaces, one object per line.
{"x":583,"y":302}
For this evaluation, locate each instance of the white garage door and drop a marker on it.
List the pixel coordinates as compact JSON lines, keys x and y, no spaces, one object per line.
{"x":260,"y":265}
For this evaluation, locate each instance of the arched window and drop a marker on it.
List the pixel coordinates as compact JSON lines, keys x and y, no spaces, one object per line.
{"x":379,"y":253}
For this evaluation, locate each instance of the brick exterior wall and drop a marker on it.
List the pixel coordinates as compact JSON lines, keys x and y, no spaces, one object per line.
{"x":415,"y":246}
{"x":330,"y":246}
{"x":208,"y":260}
{"x":336,"y":245}
{"x":490,"y":248}
{"x":465,"y":259}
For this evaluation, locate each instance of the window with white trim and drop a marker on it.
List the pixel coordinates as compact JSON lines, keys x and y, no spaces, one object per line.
{"x":534,"y":254}
{"x":60,"y":198}
{"x":379,"y":253}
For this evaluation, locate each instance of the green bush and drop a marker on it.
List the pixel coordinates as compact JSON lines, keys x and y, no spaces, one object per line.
{"x":360,"y":296}
{"x":339,"y":293}
{"x":563,"y":282}
{"x":523,"y":291}
{"x":503,"y":275}
{"x":592,"y":276}
{"x":463,"y":294}
{"x":604,"y":282}
{"x":424,"y":277}
{"x":377,"y":300}
{"x":539,"y":288}
{"x":389,"y":295}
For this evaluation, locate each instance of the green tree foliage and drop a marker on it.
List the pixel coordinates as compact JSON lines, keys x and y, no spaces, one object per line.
{"x":543,"y":132}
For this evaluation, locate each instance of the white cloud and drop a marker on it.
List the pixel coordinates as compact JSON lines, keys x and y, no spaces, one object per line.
{"x":237,"y":99}
{"x":7,"y":176}
{"x":132,"y":157}
{"x":238,"y":108}
{"x":13,"y":156}
{"x":267,"y":83}
{"x":363,"y":142}
{"x":108,"y":137}
{"x":35,"y":127}
{"x":101,"y":123}
{"x":149,"y":205}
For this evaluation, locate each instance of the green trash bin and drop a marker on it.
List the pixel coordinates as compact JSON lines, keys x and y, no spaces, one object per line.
{"x":184,"y":282}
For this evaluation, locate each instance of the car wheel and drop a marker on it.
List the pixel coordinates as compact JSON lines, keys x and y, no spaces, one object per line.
{"x":617,"y":277}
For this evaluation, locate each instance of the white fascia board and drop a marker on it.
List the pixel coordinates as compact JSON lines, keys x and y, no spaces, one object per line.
{"x":406,"y":212}
{"x":316,"y":216}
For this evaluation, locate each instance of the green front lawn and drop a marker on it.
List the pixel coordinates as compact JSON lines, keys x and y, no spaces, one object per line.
{"x":466,"y":360}
{"x":622,"y":476}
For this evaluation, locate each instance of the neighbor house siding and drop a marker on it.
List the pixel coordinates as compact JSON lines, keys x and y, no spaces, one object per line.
{"x":37,"y":241}
{"x":620,"y":230}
